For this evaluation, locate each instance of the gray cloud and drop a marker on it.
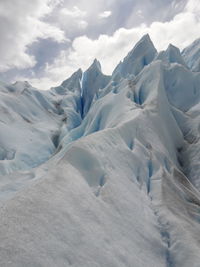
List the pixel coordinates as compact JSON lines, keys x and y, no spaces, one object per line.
{"x":21,"y":25}
{"x":45,"y":51}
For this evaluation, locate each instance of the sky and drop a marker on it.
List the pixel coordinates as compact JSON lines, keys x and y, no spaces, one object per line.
{"x":45,"y":41}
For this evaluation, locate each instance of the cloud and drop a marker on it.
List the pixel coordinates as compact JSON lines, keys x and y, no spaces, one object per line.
{"x":110,"y":48}
{"x":72,"y":20}
{"x":139,"y":13}
{"x":183,"y":29}
{"x":21,"y":24}
{"x":82,"y":24}
{"x":180,"y":31}
{"x":75,"y":12}
{"x":105,"y":14}
{"x":193,"y":6}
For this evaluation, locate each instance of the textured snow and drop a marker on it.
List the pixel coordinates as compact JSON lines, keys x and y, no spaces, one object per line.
{"x":93,"y":80}
{"x":191,"y":55}
{"x":171,"y":55}
{"x":103,"y":171}
{"x":141,"y":55}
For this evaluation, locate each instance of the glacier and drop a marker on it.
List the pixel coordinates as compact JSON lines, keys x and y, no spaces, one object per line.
{"x":102,"y":170}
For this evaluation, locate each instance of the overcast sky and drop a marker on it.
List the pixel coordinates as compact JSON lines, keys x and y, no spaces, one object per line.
{"x":45,"y":41}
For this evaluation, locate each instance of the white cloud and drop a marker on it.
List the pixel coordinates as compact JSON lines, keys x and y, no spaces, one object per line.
{"x":71,"y":20}
{"x":139,"y":13}
{"x":82,"y":24}
{"x":193,"y":6}
{"x":105,"y":14}
{"x":21,"y":24}
{"x":75,"y":12}
{"x":180,"y":31}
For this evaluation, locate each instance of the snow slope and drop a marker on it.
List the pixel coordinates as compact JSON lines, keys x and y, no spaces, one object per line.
{"x":105,"y":170}
{"x":191,"y":55}
{"x":29,"y":121}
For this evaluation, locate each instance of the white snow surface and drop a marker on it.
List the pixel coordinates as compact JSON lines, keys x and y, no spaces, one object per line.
{"x":103,"y":171}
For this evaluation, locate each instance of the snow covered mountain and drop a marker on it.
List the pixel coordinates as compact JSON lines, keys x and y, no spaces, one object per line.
{"x":104,"y":171}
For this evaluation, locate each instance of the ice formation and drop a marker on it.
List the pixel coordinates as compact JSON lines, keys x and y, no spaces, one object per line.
{"x":103,"y":171}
